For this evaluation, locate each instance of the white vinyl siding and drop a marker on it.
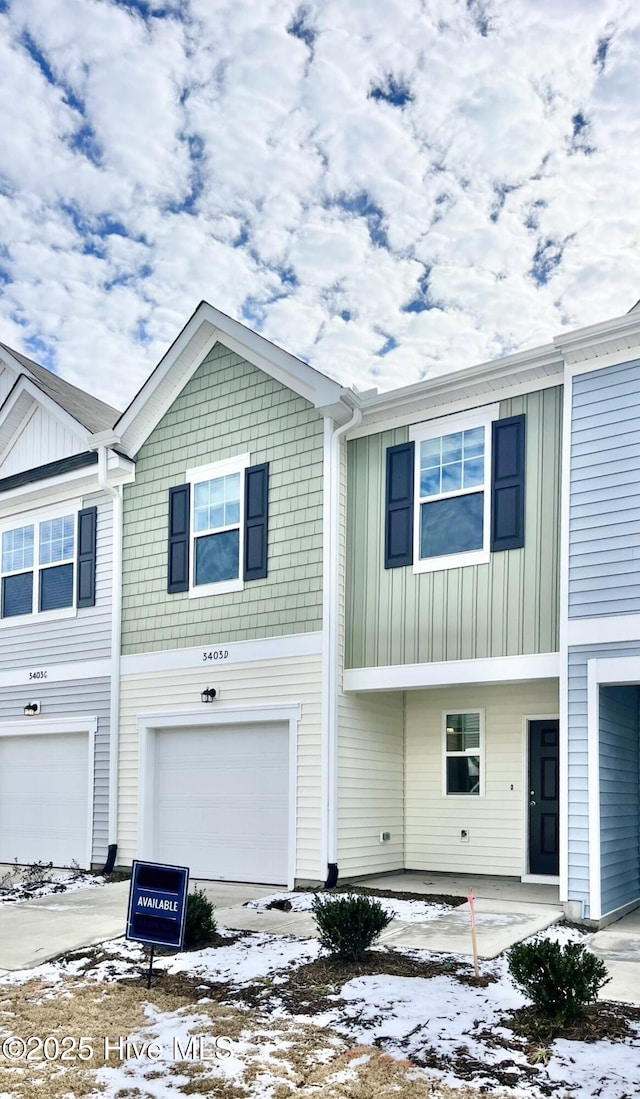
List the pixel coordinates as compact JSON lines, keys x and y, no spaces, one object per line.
{"x":494,"y":823}
{"x":42,"y":439}
{"x":269,"y":681}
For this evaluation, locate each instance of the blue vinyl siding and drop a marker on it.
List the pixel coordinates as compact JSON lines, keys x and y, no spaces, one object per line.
{"x":619,"y":796}
{"x":578,"y":794}
{"x":604,"y":523}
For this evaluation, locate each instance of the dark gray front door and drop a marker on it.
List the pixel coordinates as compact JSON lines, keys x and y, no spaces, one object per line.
{"x":544,"y":790}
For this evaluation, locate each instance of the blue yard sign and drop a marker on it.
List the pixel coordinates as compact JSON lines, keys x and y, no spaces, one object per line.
{"x":158,"y":904}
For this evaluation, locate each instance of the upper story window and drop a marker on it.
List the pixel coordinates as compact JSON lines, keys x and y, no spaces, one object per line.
{"x":452,"y":497}
{"x":41,"y":560}
{"x":217,"y":526}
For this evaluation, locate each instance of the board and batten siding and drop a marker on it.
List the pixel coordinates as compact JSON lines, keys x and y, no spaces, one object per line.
{"x":494,"y":822}
{"x":228,"y":408}
{"x":79,"y":698}
{"x":604,"y":522}
{"x":43,"y":439}
{"x":507,"y":607}
{"x":279,"y":681}
{"x":619,"y":796}
{"x":578,"y":766}
{"x":370,"y":783}
{"x":84,"y":636}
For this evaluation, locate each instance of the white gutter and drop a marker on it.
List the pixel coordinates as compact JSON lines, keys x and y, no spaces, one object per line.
{"x":116,"y":636}
{"x":330,"y":637}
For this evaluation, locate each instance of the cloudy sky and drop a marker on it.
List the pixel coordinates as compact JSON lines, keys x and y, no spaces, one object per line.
{"x":387,"y":188}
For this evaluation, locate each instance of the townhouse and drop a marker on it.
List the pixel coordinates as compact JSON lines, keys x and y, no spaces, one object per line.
{"x":59,"y":505}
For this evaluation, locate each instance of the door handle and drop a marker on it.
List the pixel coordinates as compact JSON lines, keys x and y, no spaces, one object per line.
{"x":532,"y":803}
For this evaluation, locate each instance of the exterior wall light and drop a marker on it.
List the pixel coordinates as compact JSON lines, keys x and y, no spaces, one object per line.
{"x":31,"y":709}
{"x":209,"y":694}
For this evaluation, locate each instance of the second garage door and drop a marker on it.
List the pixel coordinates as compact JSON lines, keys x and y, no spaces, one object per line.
{"x":221,"y":801}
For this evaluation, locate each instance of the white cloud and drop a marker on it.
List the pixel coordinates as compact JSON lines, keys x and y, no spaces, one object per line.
{"x":315,"y":168}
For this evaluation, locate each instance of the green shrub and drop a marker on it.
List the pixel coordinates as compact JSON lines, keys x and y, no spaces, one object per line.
{"x":200,"y":924}
{"x":559,"y":981}
{"x":349,"y":925}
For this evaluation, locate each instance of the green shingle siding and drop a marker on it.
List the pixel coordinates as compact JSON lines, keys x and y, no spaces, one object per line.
{"x":228,"y":408}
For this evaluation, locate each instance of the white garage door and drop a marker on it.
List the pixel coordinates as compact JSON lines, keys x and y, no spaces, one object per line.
{"x":44,"y":799}
{"x":221,"y":801}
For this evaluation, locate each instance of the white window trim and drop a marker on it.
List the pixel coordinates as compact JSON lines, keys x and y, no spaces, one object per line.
{"x":33,"y":518}
{"x":194,"y":476}
{"x":481,"y":417}
{"x":479,"y":751}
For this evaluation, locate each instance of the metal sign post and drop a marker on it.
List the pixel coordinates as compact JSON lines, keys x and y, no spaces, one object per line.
{"x":157,"y":906}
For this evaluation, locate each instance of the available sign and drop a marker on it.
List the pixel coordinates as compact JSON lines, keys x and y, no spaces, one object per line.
{"x":158,"y":904}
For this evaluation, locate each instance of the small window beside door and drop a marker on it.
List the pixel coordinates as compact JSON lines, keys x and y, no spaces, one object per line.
{"x":463,"y":753}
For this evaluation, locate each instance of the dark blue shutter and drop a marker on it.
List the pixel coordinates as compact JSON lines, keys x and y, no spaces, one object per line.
{"x":178,"y":563}
{"x":86,"y":585}
{"x":398,"y":528}
{"x":256,"y":517}
{"x":507,"y":484}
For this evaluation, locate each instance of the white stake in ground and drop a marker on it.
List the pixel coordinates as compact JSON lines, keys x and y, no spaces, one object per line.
{"x":474,"y":933}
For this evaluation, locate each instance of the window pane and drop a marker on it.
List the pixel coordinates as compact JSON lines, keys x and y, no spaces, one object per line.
{"x":17,"y":549}
{"x":463,"y":731}
{"x":218,"y":557}
{"x":217,"y":503}
{"x":56,"y":540}
{"x":56,"y":588}
{"x":430,"y":482}
{"x":463,"y":775}
{"x":452,"y":447}
{"x":473,"y":473}
{"x":430,"y":453}
{"x":452,"y":526}
{"x":474,"y":442}
{"x":452,"y":477}
{"x":17,"y":594}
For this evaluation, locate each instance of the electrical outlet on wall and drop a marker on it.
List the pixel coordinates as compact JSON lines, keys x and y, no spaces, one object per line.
{"x":385,"y":837}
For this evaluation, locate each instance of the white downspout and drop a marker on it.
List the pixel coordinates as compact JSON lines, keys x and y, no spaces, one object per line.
{"x":116,"y":636}
{"x":333,"y":440}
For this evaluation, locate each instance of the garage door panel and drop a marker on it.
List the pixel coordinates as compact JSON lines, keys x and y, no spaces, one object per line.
{"x":44,"y":798}
{"x":221,"y":797}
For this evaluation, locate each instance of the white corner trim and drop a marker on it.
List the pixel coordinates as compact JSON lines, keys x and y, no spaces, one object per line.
{"x":498,"y":669}
{"x":603,"y":631}
{"x":212,"y":715}
{"x":593,"y":756}
{"x":565,"y":516}
{"x":217,"y":654}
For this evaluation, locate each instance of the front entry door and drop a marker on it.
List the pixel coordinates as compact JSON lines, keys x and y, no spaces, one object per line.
{"x":544,"y":789}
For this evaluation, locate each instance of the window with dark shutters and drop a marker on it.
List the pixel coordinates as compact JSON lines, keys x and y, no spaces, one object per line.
{"x":256,"y":515}
{"x":507,"y":484}
{"x":86,"y":579}
{"x":178,"y":551}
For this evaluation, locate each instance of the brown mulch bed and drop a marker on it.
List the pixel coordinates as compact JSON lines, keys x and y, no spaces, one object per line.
{"x":313,"y":988}
{"x":602,"y":1020}
{"x":449,"y":899}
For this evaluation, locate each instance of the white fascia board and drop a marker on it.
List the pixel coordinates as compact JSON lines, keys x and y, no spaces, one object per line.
{"x":409,"y":677}
{"x":207,"y":327}
{"x":25,"y":385}
{"x":600,"y":362}
{"x":583,"y":343}
{"x":463,"y":390}
{"x":77,"y":482}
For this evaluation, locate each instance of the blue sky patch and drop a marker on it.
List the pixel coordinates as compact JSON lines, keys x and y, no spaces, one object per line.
{"x":300,"y":27}
{"x":396,"y":92}
{"x":600,"y":56}
{"x":390,"y":344}
{"x":422,"y":301}
{"x":41,"y":352}
{"x":85,"y":141}
{"x":362,"y":205}
{"x":188,"y":204}
{"x":547,"y":256}
{"x":479,"y":16}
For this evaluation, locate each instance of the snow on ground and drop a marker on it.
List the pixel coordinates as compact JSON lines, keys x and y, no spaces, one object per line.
{"x":438,"y":1028}
{"x":18,"y":889}
{"x":408,"y":911}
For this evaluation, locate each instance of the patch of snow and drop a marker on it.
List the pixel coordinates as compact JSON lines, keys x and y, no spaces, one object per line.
{"x":407,"y":911}
{"x":253,"y":957}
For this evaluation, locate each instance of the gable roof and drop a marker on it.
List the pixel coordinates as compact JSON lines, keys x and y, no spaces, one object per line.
{"x":206,"y":327}
{"x":92,"y":414}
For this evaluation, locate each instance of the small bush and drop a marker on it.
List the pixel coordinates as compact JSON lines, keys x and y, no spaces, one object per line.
{"x":349,"y":925}
{"x":200,"y":924}
{"x":559,"y":981}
